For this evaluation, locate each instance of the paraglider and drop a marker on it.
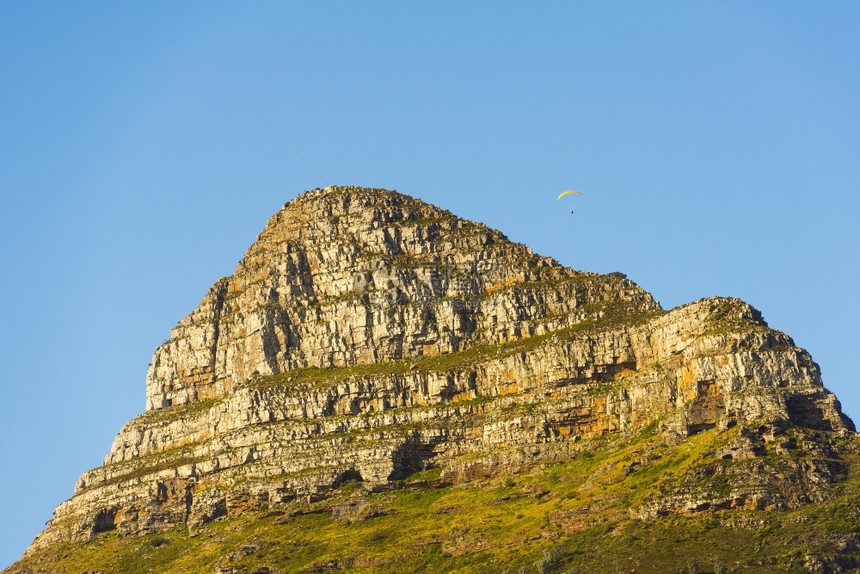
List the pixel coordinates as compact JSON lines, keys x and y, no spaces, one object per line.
{"x":568,"y":192}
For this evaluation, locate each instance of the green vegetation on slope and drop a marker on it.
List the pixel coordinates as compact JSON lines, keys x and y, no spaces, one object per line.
{"x":575,"y":516}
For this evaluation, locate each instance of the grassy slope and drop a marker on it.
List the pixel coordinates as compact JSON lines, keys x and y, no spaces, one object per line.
{"x":566,"y":517}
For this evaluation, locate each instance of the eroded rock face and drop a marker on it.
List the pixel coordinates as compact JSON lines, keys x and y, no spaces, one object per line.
{"x":351,"y":276}
{"x":367,"y":335}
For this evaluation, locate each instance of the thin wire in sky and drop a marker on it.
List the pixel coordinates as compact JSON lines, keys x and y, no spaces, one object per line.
{"x":547,"y":168}
{"x":292,"y":149}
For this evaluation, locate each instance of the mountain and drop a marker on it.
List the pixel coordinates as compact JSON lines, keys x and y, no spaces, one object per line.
{"x":381,"y":386}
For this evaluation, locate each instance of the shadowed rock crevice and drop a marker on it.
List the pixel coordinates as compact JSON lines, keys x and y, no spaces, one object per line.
{"x":411,"y":456}
{"x":104,"y":520}
{"x":350,"y":475}
{"x":219,"y":292}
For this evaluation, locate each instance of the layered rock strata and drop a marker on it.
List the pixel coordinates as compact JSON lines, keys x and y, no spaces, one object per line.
{"x":367,"y":335}
{"x":348,"y":276}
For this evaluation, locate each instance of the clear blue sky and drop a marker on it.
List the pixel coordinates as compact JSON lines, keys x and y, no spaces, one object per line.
{"x":135,"y":171}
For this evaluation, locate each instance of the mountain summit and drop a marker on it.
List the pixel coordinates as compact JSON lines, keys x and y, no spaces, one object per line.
{"x":374,"y":359}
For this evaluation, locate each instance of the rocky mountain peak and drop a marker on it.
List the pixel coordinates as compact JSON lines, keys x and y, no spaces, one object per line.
{"x":369,"y":338}
{"x":346,"y":276}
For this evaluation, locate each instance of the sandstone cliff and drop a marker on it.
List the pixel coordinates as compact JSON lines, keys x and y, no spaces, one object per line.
{"x":366,"y":336}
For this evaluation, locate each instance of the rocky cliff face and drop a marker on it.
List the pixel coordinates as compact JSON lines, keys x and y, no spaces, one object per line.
{"x":367,"y":335}
{"x":343,"y":277}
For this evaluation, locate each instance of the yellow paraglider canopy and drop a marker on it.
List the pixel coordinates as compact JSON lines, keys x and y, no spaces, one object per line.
{"x":568,"y":192}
